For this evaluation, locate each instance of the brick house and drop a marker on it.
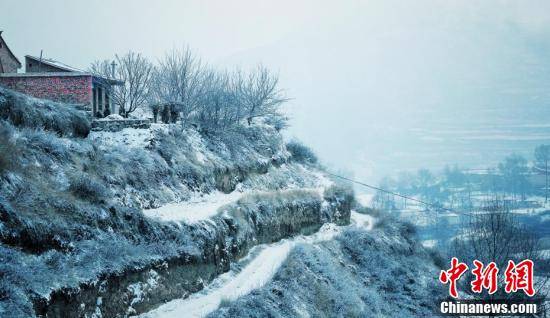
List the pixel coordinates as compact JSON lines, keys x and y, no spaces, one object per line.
{"x":8,"y":61}
{"x":53,"y":80}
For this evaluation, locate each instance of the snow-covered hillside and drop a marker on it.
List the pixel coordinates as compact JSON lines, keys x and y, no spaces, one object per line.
{"x":363,"y":272}
{"x":112,"y":224}
{"x":114,"y":207}
{"x":252,"y":272}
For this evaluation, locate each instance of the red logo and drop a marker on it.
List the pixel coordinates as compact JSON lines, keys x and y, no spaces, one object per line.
{"x":452,"y":275}
{"x":517,"y":277}
{"x":484,"y":278}
{"x":520,"y":277}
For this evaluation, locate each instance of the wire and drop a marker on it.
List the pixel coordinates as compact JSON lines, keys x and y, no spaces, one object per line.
{"x":429,"y":204}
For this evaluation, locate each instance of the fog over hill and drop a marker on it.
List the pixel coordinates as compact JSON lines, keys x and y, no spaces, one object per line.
{"x":422,"y":85}
{"x":402,"y":84}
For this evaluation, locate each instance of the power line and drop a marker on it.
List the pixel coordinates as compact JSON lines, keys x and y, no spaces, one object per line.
{"x":437,"y":206}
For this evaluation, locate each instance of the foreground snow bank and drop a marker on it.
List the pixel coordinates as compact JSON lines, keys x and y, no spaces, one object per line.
{"x":252,"y":272}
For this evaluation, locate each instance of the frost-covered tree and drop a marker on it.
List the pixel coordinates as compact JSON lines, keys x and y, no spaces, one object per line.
{"x":498,"y":236}
{"x":301,"y":153}
{"x":220,"y":107}
{"x":260,"y":94}
{"x":178,"y":80}
{"x":136,"y":71}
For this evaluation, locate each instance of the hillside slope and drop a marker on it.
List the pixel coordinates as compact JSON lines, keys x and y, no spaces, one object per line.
{"x":112,"y":224}
{"x":73,"y":235}
{"x":378,"y":273}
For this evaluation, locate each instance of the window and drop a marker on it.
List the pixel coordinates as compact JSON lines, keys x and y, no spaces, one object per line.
{"x":0,"y":44}
{"x":30,"y":64}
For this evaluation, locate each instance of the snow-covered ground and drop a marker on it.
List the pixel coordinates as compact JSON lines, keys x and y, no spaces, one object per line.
{"x":251,"y":272}
{"x":202,"y":206}
{"x":199,"y":207}
{"x":429,"y":243}
{"x":129,"y":137}
{"x":362,"y":220}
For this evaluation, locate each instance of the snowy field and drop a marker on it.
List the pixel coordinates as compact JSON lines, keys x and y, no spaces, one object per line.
{"x":252,"y":272}
{"x":478,"y":141}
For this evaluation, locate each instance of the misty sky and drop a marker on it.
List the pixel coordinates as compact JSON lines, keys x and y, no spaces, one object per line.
{"x":377,"y":86}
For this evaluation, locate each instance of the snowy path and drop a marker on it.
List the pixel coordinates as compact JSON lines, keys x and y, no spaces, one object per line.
{"x":250,"y":273}
{"x":197,"y":209}
{"x":203,"y":206}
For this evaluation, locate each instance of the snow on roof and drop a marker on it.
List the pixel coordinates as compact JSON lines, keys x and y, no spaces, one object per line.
{"x":64,"y":68}
{"x":54,"y":63}
{"x":42,"y":74}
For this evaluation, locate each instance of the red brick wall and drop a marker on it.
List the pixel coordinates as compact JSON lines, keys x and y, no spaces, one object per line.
{"x":67,"y":89}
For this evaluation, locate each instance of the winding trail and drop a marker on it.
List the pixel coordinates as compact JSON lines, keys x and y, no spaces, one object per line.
{"x":250,"y":273}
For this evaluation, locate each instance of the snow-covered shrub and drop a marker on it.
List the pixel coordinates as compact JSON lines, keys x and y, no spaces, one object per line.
{"x":26,"y":111}
{"x":8,"y":148}
{"x":245,"y":143}
{"x":45,"y":143}
{"x":437,"y":258}
{"x":408,"y":229}
{"x":384,"y":220}
{"x":86,"y":188}
{"x":341,"y":193}
{"x":301,"y":153}
{"x":279,"y":122}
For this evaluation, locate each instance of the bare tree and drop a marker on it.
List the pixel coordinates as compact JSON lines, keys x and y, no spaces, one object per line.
{"x":178,"y":80}
{"x":136,"y":72}
{"x":542,"y":159}
{"x":496,"y":235}
{"x":260,"y":94}
{"x":183,"y":86}
{"x":220,"y":107}
{"x":102,"y":68}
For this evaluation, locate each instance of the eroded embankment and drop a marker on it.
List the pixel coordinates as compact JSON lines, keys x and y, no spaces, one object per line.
{"x":251,"y":272}
{"x":73,"y":240}
{"x":255,"y":219}
{"x":381,"y":272}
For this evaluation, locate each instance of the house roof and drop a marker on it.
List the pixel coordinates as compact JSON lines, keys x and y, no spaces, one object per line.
{"x":51,"y":62}
{"x":67,"y":69}
{"x":11,"y":53}
{"x":46,"y":74}
{"x":65,"y":74}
